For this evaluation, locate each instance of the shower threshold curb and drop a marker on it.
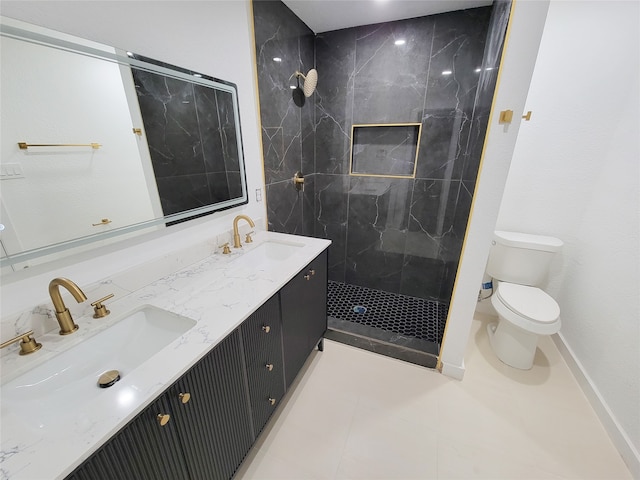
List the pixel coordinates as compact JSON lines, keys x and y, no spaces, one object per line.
{"x":412,"y":350}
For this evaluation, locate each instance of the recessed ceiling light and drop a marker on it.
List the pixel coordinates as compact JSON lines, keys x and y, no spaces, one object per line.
{"x":400,"y":42}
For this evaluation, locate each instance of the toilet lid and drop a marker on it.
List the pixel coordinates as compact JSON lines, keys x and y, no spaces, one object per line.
{"x":530,"y":302}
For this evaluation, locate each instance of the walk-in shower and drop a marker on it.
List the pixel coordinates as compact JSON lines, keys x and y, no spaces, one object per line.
{"x":390,"y":146}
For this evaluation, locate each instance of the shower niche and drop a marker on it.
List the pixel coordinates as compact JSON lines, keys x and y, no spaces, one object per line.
{"x":385,"y":150}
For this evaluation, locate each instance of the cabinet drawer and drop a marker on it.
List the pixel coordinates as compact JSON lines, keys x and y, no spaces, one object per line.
{"x":261,"y":332}
{"x":266,"y":389}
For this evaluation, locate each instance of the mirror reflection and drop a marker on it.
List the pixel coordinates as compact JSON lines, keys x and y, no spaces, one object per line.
{"x":113,"y":144}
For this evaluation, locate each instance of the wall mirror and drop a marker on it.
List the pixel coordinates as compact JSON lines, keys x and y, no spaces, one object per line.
{"x":98,"y":144}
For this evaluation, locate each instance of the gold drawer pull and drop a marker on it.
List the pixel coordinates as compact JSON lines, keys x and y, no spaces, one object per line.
{"x":307,"y":277}
{"x":163,"y":418}
{"x":272,"y":401}
{"x":266,"y":328}
{"x":312,"y":272}
{"x":269,"y":366}
{"x":185,"y":397}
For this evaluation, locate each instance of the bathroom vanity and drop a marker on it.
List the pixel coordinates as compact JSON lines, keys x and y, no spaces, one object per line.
{"x":194,"y":408}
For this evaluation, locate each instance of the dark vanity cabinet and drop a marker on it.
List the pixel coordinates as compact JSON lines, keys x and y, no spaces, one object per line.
{"x":204,"y":424}
{"x":304,"y":315}
{"x":198,"y":429}
{"x":211,"y":413}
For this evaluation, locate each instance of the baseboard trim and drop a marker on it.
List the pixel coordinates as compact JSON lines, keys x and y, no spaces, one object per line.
{"x":618,"y":436}
{"x":453,"y":371}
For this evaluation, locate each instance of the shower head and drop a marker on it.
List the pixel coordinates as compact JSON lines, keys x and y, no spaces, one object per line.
{"x":310,"y":81}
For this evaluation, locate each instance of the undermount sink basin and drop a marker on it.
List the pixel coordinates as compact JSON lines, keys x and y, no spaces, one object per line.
{"x":268,"y":254}
{"x":50,"y":391}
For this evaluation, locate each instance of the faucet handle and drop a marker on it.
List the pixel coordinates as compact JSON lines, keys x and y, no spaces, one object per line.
{"x":27,"y":344}
{"x":225,"y":248}
{"x":248,"y":238}
{"x":99,"y":310}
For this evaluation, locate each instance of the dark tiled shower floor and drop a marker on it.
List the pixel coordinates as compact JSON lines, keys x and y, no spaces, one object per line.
{"x":395,"y":325}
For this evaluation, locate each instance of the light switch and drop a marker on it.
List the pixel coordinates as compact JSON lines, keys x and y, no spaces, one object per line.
{"x":10,"y":171}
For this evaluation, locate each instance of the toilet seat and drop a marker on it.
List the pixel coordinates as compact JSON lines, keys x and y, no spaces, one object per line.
{"x":530,"y":302}
{"x":527,"y":307}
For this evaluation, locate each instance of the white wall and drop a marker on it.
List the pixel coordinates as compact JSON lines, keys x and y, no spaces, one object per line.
{"x":521,"y":48}
{"x":575,"y":175}
{"x":214,"y":37}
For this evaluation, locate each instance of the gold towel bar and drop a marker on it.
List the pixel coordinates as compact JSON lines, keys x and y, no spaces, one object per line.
{"x":25,"y":145}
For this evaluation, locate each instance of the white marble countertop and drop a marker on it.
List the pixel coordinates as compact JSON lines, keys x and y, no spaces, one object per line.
{"x":217,"y":293}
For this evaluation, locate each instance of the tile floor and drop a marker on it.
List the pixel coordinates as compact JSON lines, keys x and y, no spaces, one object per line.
{"x":357,"y":415}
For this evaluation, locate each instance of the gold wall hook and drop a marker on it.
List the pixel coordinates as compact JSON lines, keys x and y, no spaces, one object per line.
{"x":506,"y":116}
{"x":137,"y":131}
{"x":527,"y":117}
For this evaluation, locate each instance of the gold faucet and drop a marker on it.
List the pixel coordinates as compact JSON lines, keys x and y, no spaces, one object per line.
{"x":236,"y":234}
{"x":63,"y":315}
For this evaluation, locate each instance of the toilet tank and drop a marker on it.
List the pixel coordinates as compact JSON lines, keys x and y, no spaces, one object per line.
{"x":521,"y":257}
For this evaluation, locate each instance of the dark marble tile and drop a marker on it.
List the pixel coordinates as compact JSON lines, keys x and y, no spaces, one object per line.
{"x":284,"y":208}
{"x":383,"y":348}
{"x":308,"y":205}
{"x":184,"y":192}
{"x":169,"y":116}
{"x":335,"y":55}
{"x":210,"y":129}
{"x":377,"y":216}
{"x":277,"y":32}
{"x":456,"y":57}
{"x":422,"y":277}
{"x":428,"y":209}
{"x":230,"y":149}
{"x":390,"y":79}
{"x":219,"y":186}
{"x":331,"y":196}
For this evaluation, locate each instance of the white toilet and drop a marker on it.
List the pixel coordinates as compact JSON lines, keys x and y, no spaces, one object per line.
{"x":518,"y":263}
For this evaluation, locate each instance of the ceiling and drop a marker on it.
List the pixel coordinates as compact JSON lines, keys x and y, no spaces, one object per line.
{"x":326,"y":15}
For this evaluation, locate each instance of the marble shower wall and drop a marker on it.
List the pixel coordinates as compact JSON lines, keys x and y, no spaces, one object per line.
{"x":284,"y":45}
{"x":401,"y":235}
{"x":395,"y":234}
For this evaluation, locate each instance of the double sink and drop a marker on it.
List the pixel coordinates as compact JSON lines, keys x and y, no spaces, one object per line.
{"x":72,"y":377}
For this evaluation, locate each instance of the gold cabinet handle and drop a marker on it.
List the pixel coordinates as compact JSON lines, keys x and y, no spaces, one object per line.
{"x":269,"y":366}
{"x":266,"y":328}
{"x":27,"y":344}
{"x":99,"y":310}
{"x":185,"y":397}
{"x":312,"y":272}
{"x":163,"y":418}
{"x":307,"y":277}
{"x":272,"y":401}
{"x":104,"y":221}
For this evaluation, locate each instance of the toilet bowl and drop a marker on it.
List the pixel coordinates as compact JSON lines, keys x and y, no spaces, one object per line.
{"x":524,"y":313}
